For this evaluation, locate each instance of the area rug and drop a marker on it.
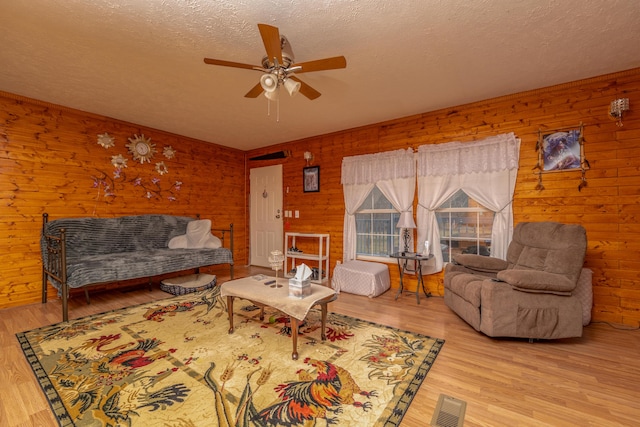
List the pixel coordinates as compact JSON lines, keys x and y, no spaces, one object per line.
{"x":173,"y":363}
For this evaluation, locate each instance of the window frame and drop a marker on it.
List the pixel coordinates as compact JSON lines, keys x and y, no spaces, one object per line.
{"x":394,"y":236}
{"x":465,"y":210}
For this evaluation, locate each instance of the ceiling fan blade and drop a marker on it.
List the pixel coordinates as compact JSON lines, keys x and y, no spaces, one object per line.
{"x":271,"y":39}
{"x":255,"y":91}
{"x":305,"y":89}
{"x":229,"y":64}
{"x":322,"y":64}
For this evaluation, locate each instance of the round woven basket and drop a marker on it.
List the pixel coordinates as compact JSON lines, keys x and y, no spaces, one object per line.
{"x":188,"y":284}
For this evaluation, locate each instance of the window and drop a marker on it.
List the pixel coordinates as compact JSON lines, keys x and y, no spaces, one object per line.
{"x":376,"y":232}
{"x":465,"y":226}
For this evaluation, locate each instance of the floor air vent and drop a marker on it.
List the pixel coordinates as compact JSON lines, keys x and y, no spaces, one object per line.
{"x":449,"y":412}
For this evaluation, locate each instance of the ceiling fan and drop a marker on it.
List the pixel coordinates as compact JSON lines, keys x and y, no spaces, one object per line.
{"x":278,"y":67}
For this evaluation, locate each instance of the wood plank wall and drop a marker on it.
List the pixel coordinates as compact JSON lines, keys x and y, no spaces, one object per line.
{"x":608,"y":206}
{"x":49,"y":156}
{"x":49,"y":162}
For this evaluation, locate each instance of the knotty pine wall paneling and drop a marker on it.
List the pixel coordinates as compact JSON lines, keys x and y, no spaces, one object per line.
{"x":50,"y":161}
{"x":609,"y":207}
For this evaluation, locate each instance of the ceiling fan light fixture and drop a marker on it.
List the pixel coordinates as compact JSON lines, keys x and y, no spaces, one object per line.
{"x":292,"y":86}
{"x":271,"y":96}
{"x":269,"y":83}
{"x":278,"y":65}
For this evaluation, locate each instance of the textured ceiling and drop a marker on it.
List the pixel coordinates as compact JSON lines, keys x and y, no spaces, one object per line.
{"x":142,"y":60}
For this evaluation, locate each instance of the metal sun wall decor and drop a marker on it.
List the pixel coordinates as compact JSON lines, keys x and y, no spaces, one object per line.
{"x":561,"y":150}
{"x":106,"y":140}
{"x":142,"y":150}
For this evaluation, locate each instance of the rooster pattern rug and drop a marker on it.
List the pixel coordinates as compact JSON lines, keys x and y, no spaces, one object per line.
{"x":173,"y":363}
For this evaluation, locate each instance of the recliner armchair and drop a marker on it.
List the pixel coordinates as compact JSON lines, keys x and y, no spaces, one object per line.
{"x":541,"y":291}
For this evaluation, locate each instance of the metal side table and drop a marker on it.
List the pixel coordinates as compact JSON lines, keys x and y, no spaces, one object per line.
{"x":404,"y":266}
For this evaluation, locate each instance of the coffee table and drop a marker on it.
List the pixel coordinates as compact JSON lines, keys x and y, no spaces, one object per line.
{"x":278,"y":297}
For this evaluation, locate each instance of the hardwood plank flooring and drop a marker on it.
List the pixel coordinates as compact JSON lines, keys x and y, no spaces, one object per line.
{"x":591,"y":381}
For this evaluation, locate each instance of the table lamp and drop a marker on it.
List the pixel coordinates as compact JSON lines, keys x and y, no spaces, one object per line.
{"x":406,"y":223}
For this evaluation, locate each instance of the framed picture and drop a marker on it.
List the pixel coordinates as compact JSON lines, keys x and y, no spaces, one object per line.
{"x":561,"y":150}
{"x":311,"y":179}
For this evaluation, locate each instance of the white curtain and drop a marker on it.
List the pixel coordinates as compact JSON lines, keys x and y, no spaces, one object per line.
{"x":401,"y":192}
{"x":485,"y":170}
{"x":354,"y":195}
{"x":394,"y":172}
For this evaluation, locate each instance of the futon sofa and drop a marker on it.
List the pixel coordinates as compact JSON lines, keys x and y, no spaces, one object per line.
{"x":78,"y":252}
{"x":541,"y":291}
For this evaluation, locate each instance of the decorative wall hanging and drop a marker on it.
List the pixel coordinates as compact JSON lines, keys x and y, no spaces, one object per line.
{"x":118,"y":161}
{"x":561,"y":150}
{"x":106,"y":140}
{"x":311,"y":179}
{"x":142,"y":178}
{"x":161,"y":168}
{"x":169,"y":152}
{"x":141,"y":148}
{"x":153,"y":188}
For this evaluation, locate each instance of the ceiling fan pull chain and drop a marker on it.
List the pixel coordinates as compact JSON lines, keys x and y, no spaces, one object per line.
{"x":277,"y":109}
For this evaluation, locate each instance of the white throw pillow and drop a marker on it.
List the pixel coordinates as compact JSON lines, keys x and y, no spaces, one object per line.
{"x":198,"y":236}
{"x":178,"y":242}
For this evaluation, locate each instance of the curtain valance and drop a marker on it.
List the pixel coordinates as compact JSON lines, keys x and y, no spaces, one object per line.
{"x":496,"y":153}
{"x":371,"y":168}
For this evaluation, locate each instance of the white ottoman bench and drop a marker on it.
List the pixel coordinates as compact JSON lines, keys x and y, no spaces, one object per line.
{"x":361,"y":278}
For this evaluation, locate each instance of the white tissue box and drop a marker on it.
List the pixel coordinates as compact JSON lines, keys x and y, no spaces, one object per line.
{"x":299,"y":289}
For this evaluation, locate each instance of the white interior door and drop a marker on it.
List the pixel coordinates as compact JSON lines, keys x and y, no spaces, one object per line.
{"x":265,"y":189}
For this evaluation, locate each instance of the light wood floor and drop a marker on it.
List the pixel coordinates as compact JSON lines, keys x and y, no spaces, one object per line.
{"x":592,"y":381}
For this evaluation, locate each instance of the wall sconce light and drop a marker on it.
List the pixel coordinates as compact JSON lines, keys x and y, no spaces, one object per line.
{"x":308,"y":157}
{"x":617,"y":108}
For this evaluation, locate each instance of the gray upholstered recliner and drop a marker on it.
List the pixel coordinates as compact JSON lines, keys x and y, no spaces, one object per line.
{"x":540,"y":291}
